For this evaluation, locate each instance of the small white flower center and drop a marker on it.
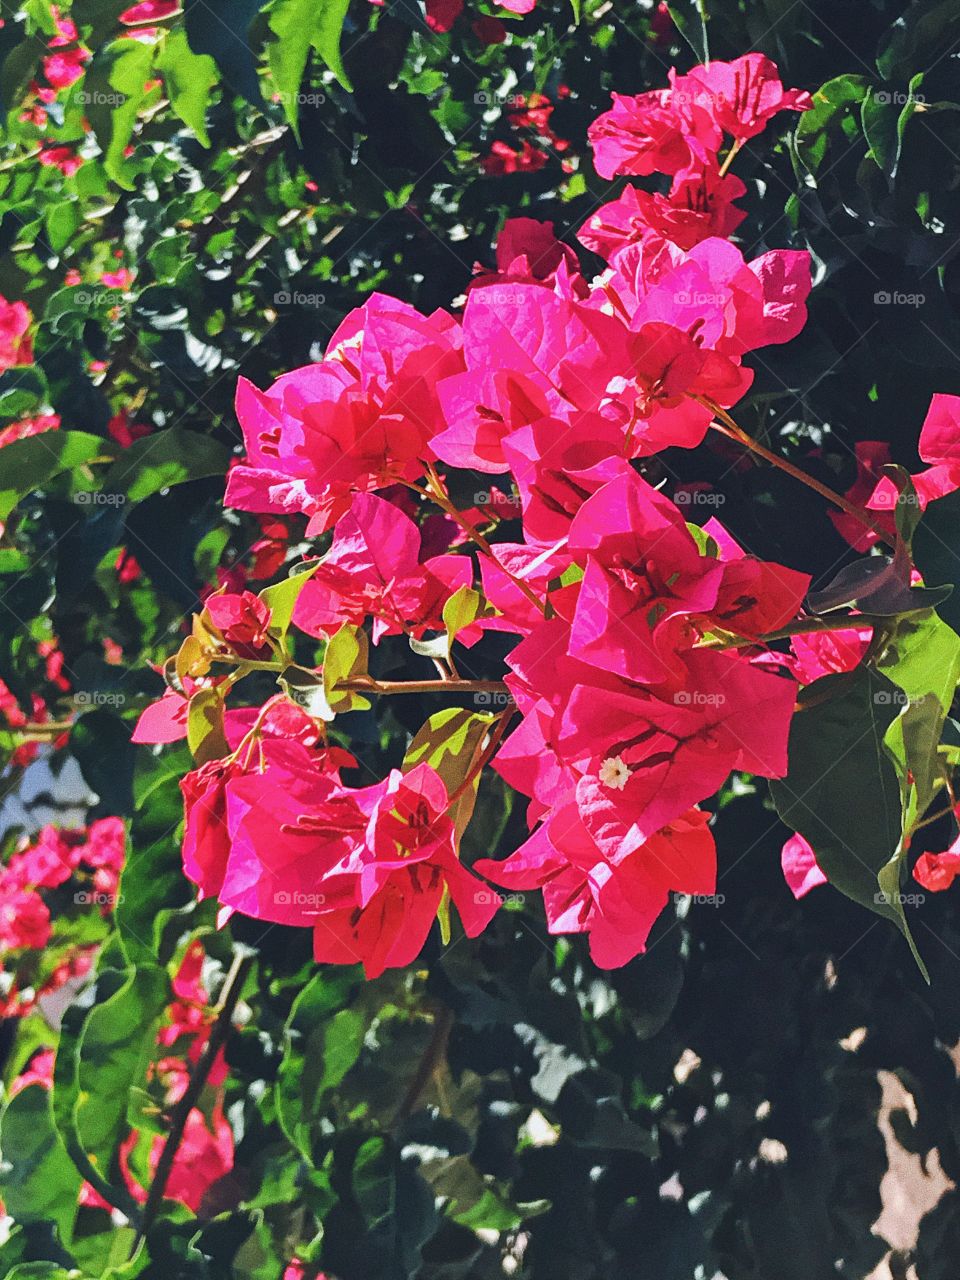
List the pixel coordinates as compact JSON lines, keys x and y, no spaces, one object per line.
{"x":614,"y":773}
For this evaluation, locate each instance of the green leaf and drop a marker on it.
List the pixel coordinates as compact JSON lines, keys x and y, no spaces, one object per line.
{"x":115,"y":88}
{"x":281,"y":599}
{"x":40,"y":1271}
{"x":397,"y":1208}
{"x":462,"y":608}
{"x":923,"y":657}
{"x":936,"y":552}
{"x":221,"y":29}
{"x":329,"y":18}
{"x":206,"y":737}
{"x":450,"y":741}
{"x":20,"y":67}
{"x":23,"y":390}
{"x":170,"y":457}
{"x":189,"y":79}
{"x":28,"y":463}
{"x":914,"y":740}
{"x":305,"y":689}
{"x":62,"y":221}
{"x":923,"y":660}
{"x":100,"y":741}
{"x":690,"y":18}
{"x":885,"y":116}
{"x":291,"y":21}
{"x":919,"y":38}
{"x":345,"y":658}
{"x":155,"y":897}
{"x":97,"y":18}
{"x":474,"y":1200}
{"x":833,"y":103}
{"x":116,"y":1040}
{"x":841,"y":791}
{"x":322,"y":1040}
{"x":39,"y":1182}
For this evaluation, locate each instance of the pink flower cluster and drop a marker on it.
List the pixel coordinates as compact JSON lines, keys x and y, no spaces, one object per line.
{"x":639,"y":670}
{"x":679,"y":131}
{"x":938,"y":446}
{"x":90,"y":860}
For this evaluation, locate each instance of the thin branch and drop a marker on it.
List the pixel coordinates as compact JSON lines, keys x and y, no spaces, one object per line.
{"x":219,"y":1032}
{"x":432,"y":1057}
{"x":728,"y":427}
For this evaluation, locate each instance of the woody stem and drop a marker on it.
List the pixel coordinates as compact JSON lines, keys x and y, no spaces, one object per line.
{"x":486,"y":755}
{"x":439,"y":496}
{"x":802,"y":626}
{"x":730,"y":157}
{"x":367,"y":684}
{"x":730,"y":428}
{"x":219,"y":1032}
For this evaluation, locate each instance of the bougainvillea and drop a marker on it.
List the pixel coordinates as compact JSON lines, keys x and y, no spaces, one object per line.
{"x":479,"y":640}
{"x":650,"y":662}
